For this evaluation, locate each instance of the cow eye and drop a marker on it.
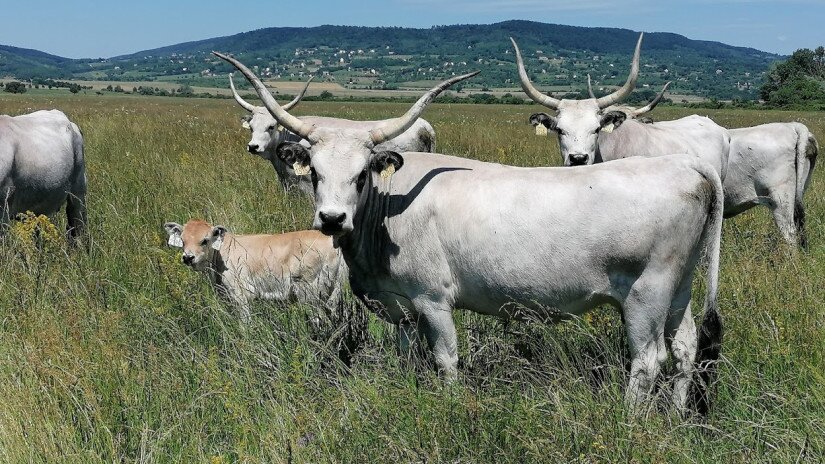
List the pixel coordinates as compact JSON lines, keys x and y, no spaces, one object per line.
{"x":204,"y":242}
{"x":271,"y":128}
{"x":362,"y":179}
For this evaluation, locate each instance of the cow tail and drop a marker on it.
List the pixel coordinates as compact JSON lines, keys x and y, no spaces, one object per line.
{"x":710,"y":332}
{"x":76,"y":198}
{"x":806,"y":151}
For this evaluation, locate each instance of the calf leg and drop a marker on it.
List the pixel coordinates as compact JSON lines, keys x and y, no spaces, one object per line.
{"x":439,"y":328}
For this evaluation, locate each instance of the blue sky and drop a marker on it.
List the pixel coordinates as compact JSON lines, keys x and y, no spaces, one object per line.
{"x":89,"y":28}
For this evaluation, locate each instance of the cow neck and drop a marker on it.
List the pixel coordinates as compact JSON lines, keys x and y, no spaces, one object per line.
{"x":364,"y":248}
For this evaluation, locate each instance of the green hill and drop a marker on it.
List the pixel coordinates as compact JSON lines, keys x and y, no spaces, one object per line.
{"x":390,"y":57}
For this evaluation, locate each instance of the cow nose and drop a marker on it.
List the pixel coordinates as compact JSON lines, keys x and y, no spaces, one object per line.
{"x":252,"y":148}
{"x":187,"y":259}
{"x":332,"y":219}
{"x":578,"y":159}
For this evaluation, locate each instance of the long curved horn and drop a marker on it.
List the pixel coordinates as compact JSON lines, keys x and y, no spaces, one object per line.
{"x":590,"y":88}
{"x":395,"y":127}
{"x":652,"y":104}
{"x":244,"y":104}
{"x":298,"y":97}
{"x":528,"y":87}
{"x":290,"y":122}
{"x":628,"y":86}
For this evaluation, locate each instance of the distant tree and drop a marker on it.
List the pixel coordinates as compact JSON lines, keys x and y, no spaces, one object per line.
{"x":799,"y":81}
{"x":15,"y":87}
{"x":185,"y":91}
{"x":74,"y":88}
{"x":326,"y":95}
{"x":118,"y":88}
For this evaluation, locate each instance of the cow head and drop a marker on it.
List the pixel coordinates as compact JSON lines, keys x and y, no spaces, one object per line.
{"x":341,"y":161}
{"x":266,"y":132}
{"x":579,"y":122}
{"x":199,"y":240}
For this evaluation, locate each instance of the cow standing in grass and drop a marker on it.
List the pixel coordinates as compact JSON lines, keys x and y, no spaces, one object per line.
{"x":267,"y":134}
{"x":590,"y":131}
{"x":425,"y":233}
{"x":42,"y":167}
{"x":769,"y":164}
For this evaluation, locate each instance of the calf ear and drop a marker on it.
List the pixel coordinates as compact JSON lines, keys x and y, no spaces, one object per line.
{"x":174,"y":230}
{"x":245,"y":121}
{"x":386,"y":163}
{"x":217,"y":236}
{"x":612,"y":120}
{"x":294,"y":155}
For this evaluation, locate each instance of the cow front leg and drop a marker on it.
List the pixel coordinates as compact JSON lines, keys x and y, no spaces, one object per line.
{"x":436,"y":322}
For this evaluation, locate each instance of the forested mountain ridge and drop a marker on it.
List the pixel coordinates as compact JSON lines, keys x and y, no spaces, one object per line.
{"x":557,"y":56}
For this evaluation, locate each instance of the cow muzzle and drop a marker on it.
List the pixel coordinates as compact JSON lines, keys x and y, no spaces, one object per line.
{"x":332,"y":223}
{"x":253,"y":148}
{"x":578,"y":159}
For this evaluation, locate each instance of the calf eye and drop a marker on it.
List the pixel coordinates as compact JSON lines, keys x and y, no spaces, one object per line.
{"x":204,"y":242}
{"x":271,"y":128}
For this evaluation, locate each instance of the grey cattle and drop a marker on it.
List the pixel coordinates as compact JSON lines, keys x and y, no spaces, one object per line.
{"x":770,"y":164}
{"x":267,"y":134}
{"x":589,"y":133}
{"x":423,"y":234}
{"x":42,"y":167}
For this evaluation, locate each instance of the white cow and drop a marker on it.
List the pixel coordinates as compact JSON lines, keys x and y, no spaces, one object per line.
{"x":425,"y":233}
{"x":267,"y":134}
{"x":42,"y":167}
{"x":770,"y":164}
{"x":589,"y":133}
{"x":301,"y":266}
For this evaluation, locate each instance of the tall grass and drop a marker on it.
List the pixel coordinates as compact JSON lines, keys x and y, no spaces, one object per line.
{"x":121,"y":354}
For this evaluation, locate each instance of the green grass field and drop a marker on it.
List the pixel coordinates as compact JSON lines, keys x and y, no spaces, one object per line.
{"x":123,"y":355}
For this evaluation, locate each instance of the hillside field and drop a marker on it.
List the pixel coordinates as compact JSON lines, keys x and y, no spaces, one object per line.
{"x":123,"y":355}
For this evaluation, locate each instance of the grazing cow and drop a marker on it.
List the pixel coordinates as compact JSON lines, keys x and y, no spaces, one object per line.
{"x":267,"y":133}
{"x":42,"y":167}
{"x":588,"y":134}
{"x":425,"y":233}
{"x":771,"y":165}
{"x":301,"y":266}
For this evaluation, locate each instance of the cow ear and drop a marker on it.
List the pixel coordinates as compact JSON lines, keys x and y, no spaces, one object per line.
{"x":294,"y":155}
{"x":386,"y":163}
{"x":544,"y":119}
{"x":218,"y":233}
{"x":612,"y":120}
{"x":245,"y":121}
{"x":174,"y":230}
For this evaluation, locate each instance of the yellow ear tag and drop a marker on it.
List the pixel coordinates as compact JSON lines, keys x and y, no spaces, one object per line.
{"x":245,"y":125}
{"x":281,"y":128}
{"x":608,"y":128}
{"x":388,"y":171}
{"x":300,"y":170}
{"x":541,"y":130}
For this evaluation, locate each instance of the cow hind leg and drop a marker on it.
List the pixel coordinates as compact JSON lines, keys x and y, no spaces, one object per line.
{"x":645,"y":317}
{"x":799,"y":223}
{"x":782,"y":208}
{"x":437,"y":324}
{"x":76,"y":212}
{"x":680,"y":333}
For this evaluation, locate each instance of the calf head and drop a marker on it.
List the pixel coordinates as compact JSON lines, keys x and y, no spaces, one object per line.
{"x":199,"y":240}
{"x":579,"y":122}
{"x":342,"y":162}
{"x":264,"y":128}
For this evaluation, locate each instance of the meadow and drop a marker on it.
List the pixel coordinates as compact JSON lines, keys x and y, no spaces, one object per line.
{"x":120,"y":354}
